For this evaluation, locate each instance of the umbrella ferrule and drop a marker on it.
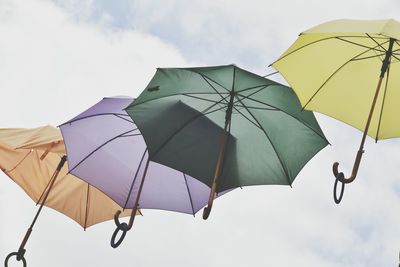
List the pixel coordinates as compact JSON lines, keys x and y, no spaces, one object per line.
{"x":386,"y":61}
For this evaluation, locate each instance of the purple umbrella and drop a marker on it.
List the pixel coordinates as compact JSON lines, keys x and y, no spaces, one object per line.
{"x":105,"y":149}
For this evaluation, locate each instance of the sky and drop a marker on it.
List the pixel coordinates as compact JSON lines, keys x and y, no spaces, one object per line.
{"x":57,"y":58}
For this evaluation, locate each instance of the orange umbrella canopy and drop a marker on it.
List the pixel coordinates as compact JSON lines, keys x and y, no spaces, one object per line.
{"x":30,"y":157}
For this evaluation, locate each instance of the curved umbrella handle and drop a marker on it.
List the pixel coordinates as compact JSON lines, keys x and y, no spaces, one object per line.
{"x":121,"y":227}
{"x":339,"y":176}
{"x":19,"y":255}
{"x":124,"y":227}
{"x":338,"y":179}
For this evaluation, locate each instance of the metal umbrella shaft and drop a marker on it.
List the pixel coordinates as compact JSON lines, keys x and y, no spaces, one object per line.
{"x":221,"y":154}
{"x":21,"y":251}
{"x":339,"y":175}
{"x":124,"y":227}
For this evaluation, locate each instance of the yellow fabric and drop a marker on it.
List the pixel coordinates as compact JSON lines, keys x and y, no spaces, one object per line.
{"x":333,"y":71}
{"x":21,"y":151}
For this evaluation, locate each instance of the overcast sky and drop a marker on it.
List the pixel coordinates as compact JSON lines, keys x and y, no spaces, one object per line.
{"x":59,"y":57}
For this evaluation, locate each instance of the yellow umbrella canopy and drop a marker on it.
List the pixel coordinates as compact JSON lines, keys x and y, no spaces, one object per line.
{"x":30,"y":158}
{"x":348,"y":69}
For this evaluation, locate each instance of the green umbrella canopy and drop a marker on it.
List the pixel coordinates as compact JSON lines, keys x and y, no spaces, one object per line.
{"x":183,"y":111}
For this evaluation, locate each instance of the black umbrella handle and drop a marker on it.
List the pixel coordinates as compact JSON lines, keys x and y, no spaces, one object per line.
{"x":19,"y":255}
{"x":124,"y":227}
{"x":206,"y":212}
{"x":339,"y":178}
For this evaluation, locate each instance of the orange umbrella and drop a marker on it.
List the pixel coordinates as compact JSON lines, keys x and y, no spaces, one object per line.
{"x":34,"y":158}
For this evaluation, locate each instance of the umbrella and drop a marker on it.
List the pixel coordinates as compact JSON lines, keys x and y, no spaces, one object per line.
{"x":106,"y":149}
{"x":226,"y":127}
{"x":33,"y":158}
{"x":334,"y":68}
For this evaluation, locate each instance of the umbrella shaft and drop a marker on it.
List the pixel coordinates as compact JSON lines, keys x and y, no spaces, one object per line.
{"x":386,"y":61}
{"x":385,"y":65}
{"x":221,"y":152}
{"x":371,"y":112}
{"x":133,"y":214}
{"x":53,"y":178}
{"x":384,"y":68}
{"x":220,"y":159}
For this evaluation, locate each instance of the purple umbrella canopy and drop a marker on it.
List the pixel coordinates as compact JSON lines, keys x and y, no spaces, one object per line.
{"x":105,"y":149}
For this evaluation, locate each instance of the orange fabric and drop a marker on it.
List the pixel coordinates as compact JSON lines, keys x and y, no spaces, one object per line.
{"x":30,"y":156}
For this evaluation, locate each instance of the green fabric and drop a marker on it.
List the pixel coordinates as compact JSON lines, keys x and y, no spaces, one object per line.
{"x":181,"y":115}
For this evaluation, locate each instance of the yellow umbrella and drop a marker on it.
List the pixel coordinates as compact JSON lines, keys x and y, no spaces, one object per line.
{"x":334,"y":68}
{"x":33,"y":158}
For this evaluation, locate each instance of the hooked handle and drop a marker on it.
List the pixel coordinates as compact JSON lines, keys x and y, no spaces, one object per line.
{"x":124,"y":227}
{"x":120,"y":227}
{"x":21,"y":251}
{"x":339,"y":177}
{"x":19,"y":255}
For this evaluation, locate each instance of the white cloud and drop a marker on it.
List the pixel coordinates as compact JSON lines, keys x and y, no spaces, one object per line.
{"x":58,"y":65}
{"x":56,"y":60}
{"x":251,"y":33}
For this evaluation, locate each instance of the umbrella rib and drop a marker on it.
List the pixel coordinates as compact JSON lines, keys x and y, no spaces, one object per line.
{"x":96,"y":149}
{"x":270,"y":74}
{"x":263,"y":86}
{"x":393,"y":55}
{"x":134,"y":179}
{"x":19,"y":163}
{"x":190,"y":196}
{"x":383,"y":47}
{"x":397,"y":42}
{"x":130,"y":135}
{"x":94,"y":115}
{"x":317,"y":41}
{"x":332,"y":75}
{"x":87,"y":206}
{"x":119,"y":116}
{"x":176,"y":94}
{"x":362,"y":58}
{"x":266,"y":134}
{"x":383,"y":103}
{"x":249,"y":95}
{"x":365,"y":46}
{"x":203,"y":113}
{"x":255,"y":124}
{"x":205,"y":78}
{"x":201,"y":98}
{"x":271,"y":109}
{"x":255,"y":100}
{"x":369,"y":36}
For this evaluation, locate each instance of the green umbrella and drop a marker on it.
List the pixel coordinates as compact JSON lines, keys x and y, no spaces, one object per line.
{"x":226,"y":127}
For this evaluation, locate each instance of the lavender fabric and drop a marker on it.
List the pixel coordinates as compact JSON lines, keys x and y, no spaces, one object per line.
{"x":105,"y":149}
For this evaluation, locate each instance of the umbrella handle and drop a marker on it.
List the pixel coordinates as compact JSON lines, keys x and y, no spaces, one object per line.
{"x":206,"y":212}
{"x":339,"y":176}
{"x":19,"y":255}
{"x":338,"y":179}
{"x":124,"y":227}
